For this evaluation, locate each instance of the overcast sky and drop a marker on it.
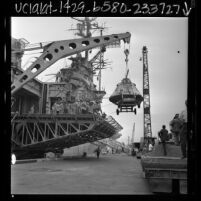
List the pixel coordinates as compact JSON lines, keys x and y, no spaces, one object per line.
{"x":164,"y":37}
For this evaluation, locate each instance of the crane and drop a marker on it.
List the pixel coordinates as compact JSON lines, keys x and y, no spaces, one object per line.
{"x":146,"y":96}
{"x":60,"y":49}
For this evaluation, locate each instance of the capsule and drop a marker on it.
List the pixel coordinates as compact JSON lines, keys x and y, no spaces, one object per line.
{"x":126,"y":96}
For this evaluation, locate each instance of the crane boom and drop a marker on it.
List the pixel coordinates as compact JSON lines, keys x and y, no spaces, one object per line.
{"x":60,"y":49}
{"x":97,"y":55}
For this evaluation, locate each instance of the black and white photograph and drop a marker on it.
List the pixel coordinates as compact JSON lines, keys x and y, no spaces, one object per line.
{"x":99,"y":105}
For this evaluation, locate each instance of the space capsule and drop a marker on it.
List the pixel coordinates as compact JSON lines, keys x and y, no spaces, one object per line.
{"x":126,"y":96}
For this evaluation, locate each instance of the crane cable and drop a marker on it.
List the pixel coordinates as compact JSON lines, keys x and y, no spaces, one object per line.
{"x":126,"y":52}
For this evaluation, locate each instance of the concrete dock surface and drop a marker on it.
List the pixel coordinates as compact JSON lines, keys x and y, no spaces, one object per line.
{"x":110,"y":174}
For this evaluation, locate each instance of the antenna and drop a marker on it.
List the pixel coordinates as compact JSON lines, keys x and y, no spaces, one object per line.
{"x":84,"y":27}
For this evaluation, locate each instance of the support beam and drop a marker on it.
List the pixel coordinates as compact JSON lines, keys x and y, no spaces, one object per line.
{"x":58,"y":50}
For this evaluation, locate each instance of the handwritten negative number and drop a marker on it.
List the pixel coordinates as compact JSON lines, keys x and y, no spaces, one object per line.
{"x":107,"y":6}
{"x":137,"y":11}
{"x":114,"y":8}
{"x":146,"y":8}
{"x":153,"y":9}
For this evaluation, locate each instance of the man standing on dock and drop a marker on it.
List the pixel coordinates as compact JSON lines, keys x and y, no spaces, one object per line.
{"x":98,"y":150}
{"x":175,"y":128}
{"x":163,"y":134}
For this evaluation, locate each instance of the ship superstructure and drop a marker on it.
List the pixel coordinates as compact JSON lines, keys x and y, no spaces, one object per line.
{"x":51,"y":116}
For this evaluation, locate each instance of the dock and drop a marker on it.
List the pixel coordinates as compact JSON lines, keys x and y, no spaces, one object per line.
{"x":110,"y":174}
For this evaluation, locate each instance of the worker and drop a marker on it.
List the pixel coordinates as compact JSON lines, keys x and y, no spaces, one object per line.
{"x":98,"y":150}
{"x":97,"y":107}
{"x":58,"y":107}
{"x":66,"y":107}
{"x":133,"y":153}
{"x":183,"y":132}
{"x":58,"y":77}
{"x":91,"y":107}
{"x":77,"y":107}
{"x":32,"y":109}
{"x":163,"y":134}
{"x":175,"y":127}
{"x":150,"y":147}
{"x":83,"y":107}
{"x":73,"y":108}
{"x":103,"y":115}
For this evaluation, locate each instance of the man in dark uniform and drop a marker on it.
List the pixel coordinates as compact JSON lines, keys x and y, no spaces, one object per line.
{"x":98,"y":150}
{"x":163,"y":134}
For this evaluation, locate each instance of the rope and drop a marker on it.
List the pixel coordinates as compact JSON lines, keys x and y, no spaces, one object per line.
{"x":127,"y":51}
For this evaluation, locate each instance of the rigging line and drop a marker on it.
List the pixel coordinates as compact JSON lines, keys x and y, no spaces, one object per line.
{"x":126,"y":52}
{"x":129,"y":53}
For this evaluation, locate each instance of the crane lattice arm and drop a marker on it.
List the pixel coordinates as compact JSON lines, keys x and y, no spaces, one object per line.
{"x":60,"y":49}
{"x":146,"y":95}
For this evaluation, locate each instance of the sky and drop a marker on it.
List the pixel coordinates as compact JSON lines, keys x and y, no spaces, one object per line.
{"x":163,"y":37}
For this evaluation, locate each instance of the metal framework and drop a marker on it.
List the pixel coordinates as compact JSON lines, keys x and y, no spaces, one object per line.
{"x":47,"y":132}
{"x":50,"y":132}
{"x":146,"y":95}
{"x":60,"y":49}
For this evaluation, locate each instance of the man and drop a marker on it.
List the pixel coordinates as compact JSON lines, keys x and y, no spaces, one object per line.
{"x":32,"y":109}
{"x":163,"y":134}
{"x":98,"y":150}
{"x":150,"y":147}
{"x":175,"y":127}
{"x":183,"y":132}
{"x":83,"y":107}
{"x":58,"y":107}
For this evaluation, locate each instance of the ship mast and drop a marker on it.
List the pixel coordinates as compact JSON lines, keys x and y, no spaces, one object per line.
{"x":84,"y":27}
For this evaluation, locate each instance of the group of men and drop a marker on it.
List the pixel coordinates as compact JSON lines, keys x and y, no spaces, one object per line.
{"x":178,"y":126}
{"x":79,"y":107}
